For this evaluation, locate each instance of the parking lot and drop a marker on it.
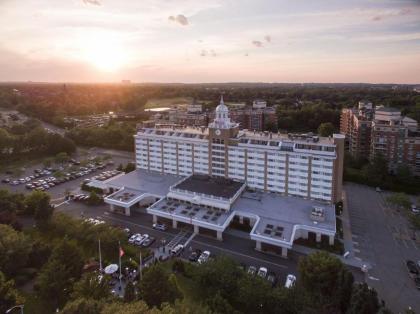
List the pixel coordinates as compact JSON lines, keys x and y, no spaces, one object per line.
{"x":383,"y":239}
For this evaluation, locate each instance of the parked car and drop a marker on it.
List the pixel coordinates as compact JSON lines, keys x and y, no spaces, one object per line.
{"x":252,"y":270}
{"x":139,"y":241}
{"x":290,"y":281}
{"x":6,"y":180}
{"x":161,"y":227}
{"x":204,"y":257}
{"x":412,"y":268}
{"x":262,"y":272}
{"x":177,"y":249}
{"x":378,"y":189}
{"x":414,"y":209}
{"x":134,"y":237}
{"x":148,"y":241}
{"x":15,"y":182}
{"x":194,"y":255}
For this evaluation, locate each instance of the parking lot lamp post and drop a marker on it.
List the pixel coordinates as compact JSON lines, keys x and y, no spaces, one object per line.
{"x":16,"y":306}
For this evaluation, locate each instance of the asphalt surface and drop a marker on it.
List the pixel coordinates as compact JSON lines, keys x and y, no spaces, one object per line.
{"x":382,"y":237}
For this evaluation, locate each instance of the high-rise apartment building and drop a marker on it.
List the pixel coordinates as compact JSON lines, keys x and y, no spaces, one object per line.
{"x":383,"y":131}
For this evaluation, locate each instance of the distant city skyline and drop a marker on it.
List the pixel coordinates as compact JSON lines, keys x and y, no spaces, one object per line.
{"x":190,"y":41}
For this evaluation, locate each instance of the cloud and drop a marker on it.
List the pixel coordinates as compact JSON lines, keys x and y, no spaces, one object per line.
{"x":93,"y":2}
{"x":257,"y":43}
{"x":267,"y":38}
{"x":181,"y":19}
{"x":402,"y":12}
{"x":203,"y":53}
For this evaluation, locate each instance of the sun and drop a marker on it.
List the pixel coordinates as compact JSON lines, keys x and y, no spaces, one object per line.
{"x":105,"y":53}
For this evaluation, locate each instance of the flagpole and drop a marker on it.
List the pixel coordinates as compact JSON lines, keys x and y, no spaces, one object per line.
{"x":100,"y":257}
{"x":119,"y":255}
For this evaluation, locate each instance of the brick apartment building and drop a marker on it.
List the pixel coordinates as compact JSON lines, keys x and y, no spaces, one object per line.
{"x":384,"y":131}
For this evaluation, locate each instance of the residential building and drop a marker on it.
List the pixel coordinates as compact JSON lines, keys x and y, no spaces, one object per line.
{"x":384,"y":131}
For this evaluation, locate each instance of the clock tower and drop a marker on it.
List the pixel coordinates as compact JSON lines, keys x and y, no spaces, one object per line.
{"x":221,"y":131}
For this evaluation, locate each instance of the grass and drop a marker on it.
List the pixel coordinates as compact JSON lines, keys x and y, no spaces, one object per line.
{"x":167,"y":102}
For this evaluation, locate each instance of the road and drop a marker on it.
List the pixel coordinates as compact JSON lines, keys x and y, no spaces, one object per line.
{"x":381,"y":237}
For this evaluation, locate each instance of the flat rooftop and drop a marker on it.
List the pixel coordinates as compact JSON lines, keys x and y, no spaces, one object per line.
{"x":279,"y":214}
{"x":192,"y":212}
{"x":143,"y":181}
{"x":216,"y":186}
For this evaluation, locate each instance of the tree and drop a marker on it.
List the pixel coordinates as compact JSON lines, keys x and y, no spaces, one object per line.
{"x":92,"y":286}
{"x":82,"y":305}
{"x":400,"y":200}
{"x":94,"y":199}
{"x":326,"y":129}
{"x":130,"y":167}
{"x":324,"y":278}
{"x":48,"y":162}
{"x":9,"y":296}
{"x":61,"y":158}
{"x":377,"y":170}
{"x":130,"y":292}
{"x":62,"y":270}
{"x":139,"y":307}
{"x":14,"y":250}
{"x":156,"y":288}
{"x":219,"y":304}
{"x":38,"y":204}
{"x":364,"y":300}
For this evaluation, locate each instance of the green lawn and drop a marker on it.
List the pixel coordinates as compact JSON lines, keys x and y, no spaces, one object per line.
{"x":167,"y":102}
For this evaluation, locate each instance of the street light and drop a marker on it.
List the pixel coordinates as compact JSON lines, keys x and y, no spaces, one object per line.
{"x":16,"y":306}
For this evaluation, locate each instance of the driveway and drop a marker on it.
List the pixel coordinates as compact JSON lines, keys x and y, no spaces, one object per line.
{"x":380,"y":238}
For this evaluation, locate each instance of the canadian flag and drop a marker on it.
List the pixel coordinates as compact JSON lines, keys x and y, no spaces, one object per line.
{"x":121,"y":252}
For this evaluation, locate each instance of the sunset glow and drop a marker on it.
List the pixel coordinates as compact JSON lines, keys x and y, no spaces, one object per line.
{"x":211,"y":41}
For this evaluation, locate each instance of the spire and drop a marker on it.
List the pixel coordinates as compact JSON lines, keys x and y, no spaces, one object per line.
{"x":221,"y":100}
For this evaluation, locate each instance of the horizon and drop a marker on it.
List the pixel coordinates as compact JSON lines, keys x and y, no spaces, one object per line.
{"x":211,"y":42}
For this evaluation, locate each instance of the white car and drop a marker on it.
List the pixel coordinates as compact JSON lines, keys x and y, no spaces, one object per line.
{"x":290,"y":281}
{"x":141,"y":239}
{"x":134,"y":237}
{"x":262,"y":272}
{"x":177,"y":249}
{"x":204,"y":257}
{"x":414,"y":209}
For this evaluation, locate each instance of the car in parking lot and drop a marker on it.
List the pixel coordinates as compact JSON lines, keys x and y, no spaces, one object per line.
{"x":134,"y":237}
{"x":148,"y":242}
{"x":262,"y":272}
{"x":139,"y":241}
{"x":204,"y":257}
{"x":6,"y":180}
{"x":177,"y":249}
{"x":290,"y":281}
{"x":412,"y":268}
{"x":161,"y":227}
{"x":252,"y":270}
{"x":194,"y":255}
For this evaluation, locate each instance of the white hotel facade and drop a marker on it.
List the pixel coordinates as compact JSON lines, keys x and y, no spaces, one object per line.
{"x":305,"y":166}
{"x":282,"y":186}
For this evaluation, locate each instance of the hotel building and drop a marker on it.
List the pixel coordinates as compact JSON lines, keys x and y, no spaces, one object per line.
{"x":282,"y":186}
{"x":299,"y":165}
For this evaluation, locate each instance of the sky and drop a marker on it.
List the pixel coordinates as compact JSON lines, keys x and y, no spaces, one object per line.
{"x":194,"y":41}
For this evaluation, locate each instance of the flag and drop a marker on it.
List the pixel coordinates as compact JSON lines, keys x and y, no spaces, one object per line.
{"x":121,"y":252}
